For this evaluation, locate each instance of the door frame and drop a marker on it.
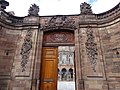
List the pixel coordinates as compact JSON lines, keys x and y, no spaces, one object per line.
{"x":77,"y":60}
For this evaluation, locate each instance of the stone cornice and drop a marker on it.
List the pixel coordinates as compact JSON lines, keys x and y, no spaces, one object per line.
{"x":15,"y":21}
{"x":98,"y":19}
{"x":109,"y":15}
{"x":111,"y":12}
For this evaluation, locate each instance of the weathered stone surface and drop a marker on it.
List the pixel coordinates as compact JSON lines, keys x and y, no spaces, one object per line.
{"x":95,"y":85}
{"x":96,"y":40}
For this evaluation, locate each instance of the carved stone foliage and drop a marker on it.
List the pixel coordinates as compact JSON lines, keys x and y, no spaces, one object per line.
{"x":85,"y":8}
{"x":59,"y":37}
{"x":59,"y":21}
{"x":25,"y":50}
{"x":33,"y":11}
{"x":3,"y":4}
{"x":91,"y":48}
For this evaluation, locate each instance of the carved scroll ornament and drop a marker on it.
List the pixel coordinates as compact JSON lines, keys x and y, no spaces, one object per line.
{"x":25,"y":50}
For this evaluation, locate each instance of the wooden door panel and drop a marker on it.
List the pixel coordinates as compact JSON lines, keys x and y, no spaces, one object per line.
{"x":49,"y":53}
{"x":49,"y":69}
{"x":48,"y":86}
{"x":49,"y":66}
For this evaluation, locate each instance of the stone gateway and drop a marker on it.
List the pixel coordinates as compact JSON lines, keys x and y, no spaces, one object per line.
{"x":29,"y":49}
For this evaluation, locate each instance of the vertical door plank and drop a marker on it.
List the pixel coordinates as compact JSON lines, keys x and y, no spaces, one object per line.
{"x":49,"y":68}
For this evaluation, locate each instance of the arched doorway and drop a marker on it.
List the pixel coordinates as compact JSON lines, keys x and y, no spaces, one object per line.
{"x":49,"y":70}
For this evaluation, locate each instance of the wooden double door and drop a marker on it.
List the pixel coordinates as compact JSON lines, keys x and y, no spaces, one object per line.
{"x":49,"y":69}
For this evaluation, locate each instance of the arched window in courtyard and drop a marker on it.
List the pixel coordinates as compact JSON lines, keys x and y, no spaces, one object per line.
{"x":71,"y":74}
{"x":64,"y":76}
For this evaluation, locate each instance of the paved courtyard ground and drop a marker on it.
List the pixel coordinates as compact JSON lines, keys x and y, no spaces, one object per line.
{"x":66,"y":85}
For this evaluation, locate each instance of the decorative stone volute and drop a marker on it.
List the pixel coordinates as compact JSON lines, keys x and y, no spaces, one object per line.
{"x":33,"y":10}
{"x":85,"y":8}
{"x":3,"y":4}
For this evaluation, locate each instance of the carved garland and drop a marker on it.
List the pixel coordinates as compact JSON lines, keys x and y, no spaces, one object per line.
{"x":91,"y":48}
{"x":25,"y":50}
